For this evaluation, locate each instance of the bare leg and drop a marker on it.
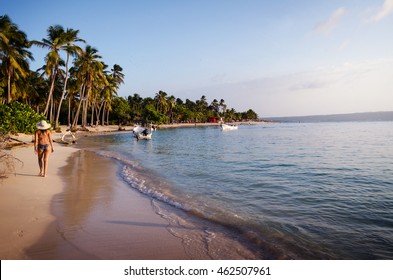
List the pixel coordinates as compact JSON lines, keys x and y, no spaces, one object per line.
{"x":45,"y":160}
{"x":40,"y":157}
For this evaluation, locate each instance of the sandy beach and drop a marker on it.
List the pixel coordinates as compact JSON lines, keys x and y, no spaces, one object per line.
{"x":25,"y":200}
{"x":77,"y":211}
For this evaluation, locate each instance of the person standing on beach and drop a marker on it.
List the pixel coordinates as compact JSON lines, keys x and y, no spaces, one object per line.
{"x":42,"y":141}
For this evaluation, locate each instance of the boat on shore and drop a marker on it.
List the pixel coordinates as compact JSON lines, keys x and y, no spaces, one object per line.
{"x":224,"y":126}
{"x":142,"y":133}
{"x":68,"y":137}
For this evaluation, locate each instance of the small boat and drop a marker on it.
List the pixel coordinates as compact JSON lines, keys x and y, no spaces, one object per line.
{"x":68,"y":137}
{"x":228,"y":126}
{"x":142,"y":133}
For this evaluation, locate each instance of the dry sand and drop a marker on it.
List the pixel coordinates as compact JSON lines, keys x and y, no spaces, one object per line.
{"x":25,"y":201}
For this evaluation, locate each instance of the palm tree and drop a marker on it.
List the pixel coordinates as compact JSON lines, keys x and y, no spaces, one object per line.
{"x":89,"y":70}
{"x":161,"y":101}
{"x":13,"y":54}
{"x":73,"y":89}
{"x":37,"y":88}
{"x":70,"y":37}
{"x":117,"y":75}
{"x":230,"y":114}
{"x":201,"y":107}
{"x":109,"y":91}
{"x":251,"y":115}
{"x":172,"y":105}
{"x":115,"y":79}
{"x":54,"y":42}
{"x":223,"y":106}
{"x":214,"y":108}
{"x":135,"y":102}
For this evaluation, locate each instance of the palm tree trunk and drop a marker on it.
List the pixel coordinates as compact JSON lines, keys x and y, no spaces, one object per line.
{"x":84,"y":112}
{"x":92,"y":114}
{"x":99,"y":112}
{"x":63,"y":94}
{"x":52,"y":86}
{"x":85,"y":106}
{"x":52,"y":109}
{"x":75,"y":123}
{"x":103,"y":113}
{"x":9,"y":87}
{"x":69,"y":110}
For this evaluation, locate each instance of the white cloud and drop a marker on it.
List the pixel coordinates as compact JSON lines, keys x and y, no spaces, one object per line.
{"x":329,"y":24}
{"x":386,"y":9}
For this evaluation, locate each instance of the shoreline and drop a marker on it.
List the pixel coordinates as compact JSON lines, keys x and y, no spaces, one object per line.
{"x":99,"y":217}
{"x":35,"y":210}
{"x":22,"y":140}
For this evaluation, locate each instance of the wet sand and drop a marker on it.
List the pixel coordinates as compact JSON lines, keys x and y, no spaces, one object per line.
{"x":100,"y":217}
{"x":82,"y":210}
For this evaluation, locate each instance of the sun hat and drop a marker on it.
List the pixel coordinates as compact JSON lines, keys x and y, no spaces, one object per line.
{"x":43,"y":125}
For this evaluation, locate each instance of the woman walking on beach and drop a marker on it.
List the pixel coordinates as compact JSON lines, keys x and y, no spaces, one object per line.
{"x":42,"y":141}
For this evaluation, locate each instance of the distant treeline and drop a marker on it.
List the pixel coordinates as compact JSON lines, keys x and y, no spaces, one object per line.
{"x":355,"y":117}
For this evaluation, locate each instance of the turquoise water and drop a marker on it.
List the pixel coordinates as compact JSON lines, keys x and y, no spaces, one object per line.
{"x":285,"y":191}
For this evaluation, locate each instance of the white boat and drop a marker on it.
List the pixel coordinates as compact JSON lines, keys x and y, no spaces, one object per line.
{"x":68,"y":137}
{"x":142,"y":133}
{"x":228,"y":126}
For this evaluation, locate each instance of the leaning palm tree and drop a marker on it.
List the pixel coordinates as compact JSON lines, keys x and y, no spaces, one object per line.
{"x":13,"y":54}
{"x":70,"y":37}
{"x":54,"y":42}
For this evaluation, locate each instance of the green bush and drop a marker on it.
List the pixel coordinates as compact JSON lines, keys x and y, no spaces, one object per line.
{"x":17,"y":117}
{"x":153,"y":116}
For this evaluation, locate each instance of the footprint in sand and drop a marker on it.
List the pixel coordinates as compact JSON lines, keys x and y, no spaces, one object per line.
{"x":19,"y":233}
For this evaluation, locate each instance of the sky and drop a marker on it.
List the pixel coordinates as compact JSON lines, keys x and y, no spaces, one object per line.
{"x":279,"y":58}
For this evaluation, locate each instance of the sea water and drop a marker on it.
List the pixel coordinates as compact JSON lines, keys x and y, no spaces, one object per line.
{"x":275,"y":191}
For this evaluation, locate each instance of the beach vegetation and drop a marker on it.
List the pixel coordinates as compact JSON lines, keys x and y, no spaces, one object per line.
{"x":121,"y":110}
{"x":17,"y":117}
{"x":14,"y":55}
{"x":76,"y":87}
{"x":7,"y":159}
